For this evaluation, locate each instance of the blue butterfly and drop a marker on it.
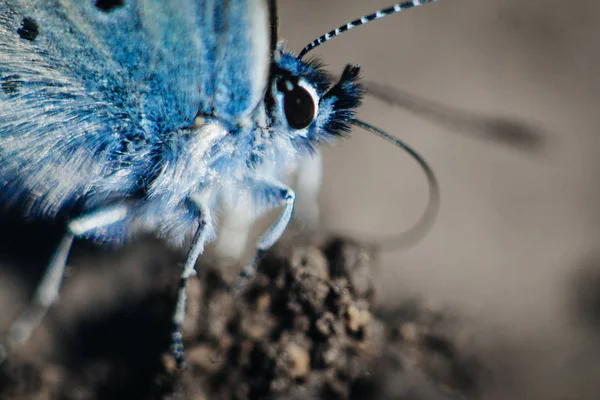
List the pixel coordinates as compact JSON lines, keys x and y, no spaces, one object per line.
{"x":129,"y":116}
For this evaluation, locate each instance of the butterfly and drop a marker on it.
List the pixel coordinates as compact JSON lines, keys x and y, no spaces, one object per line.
{"x":130,"y":116}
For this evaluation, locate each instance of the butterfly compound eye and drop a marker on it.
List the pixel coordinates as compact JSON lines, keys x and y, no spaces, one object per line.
{"x":299,"y":104}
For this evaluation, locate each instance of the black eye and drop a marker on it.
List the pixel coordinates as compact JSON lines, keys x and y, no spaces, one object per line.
{"x":298,"y":105}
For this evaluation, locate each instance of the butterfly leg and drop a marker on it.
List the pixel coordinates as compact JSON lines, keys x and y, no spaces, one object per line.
{"x":273,"y":195}
{"x":203,"y":232}
{"x":48,"y":289}
{"x":237,"y":218}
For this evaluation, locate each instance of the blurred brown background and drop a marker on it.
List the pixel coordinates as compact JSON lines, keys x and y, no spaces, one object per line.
{"x":515,"y":247}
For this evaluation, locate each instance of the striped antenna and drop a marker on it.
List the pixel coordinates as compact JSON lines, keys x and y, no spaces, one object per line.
{"x":396,"y":8}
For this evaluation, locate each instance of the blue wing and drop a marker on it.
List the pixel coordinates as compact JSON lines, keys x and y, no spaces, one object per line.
{"x":92,"y":91}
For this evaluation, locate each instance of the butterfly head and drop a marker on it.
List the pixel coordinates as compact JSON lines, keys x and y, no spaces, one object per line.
{"x":305,"y":104}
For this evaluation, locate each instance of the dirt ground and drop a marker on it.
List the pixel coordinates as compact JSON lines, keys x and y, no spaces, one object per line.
{"x":307,"y":327}
{"x":507,"y":282}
